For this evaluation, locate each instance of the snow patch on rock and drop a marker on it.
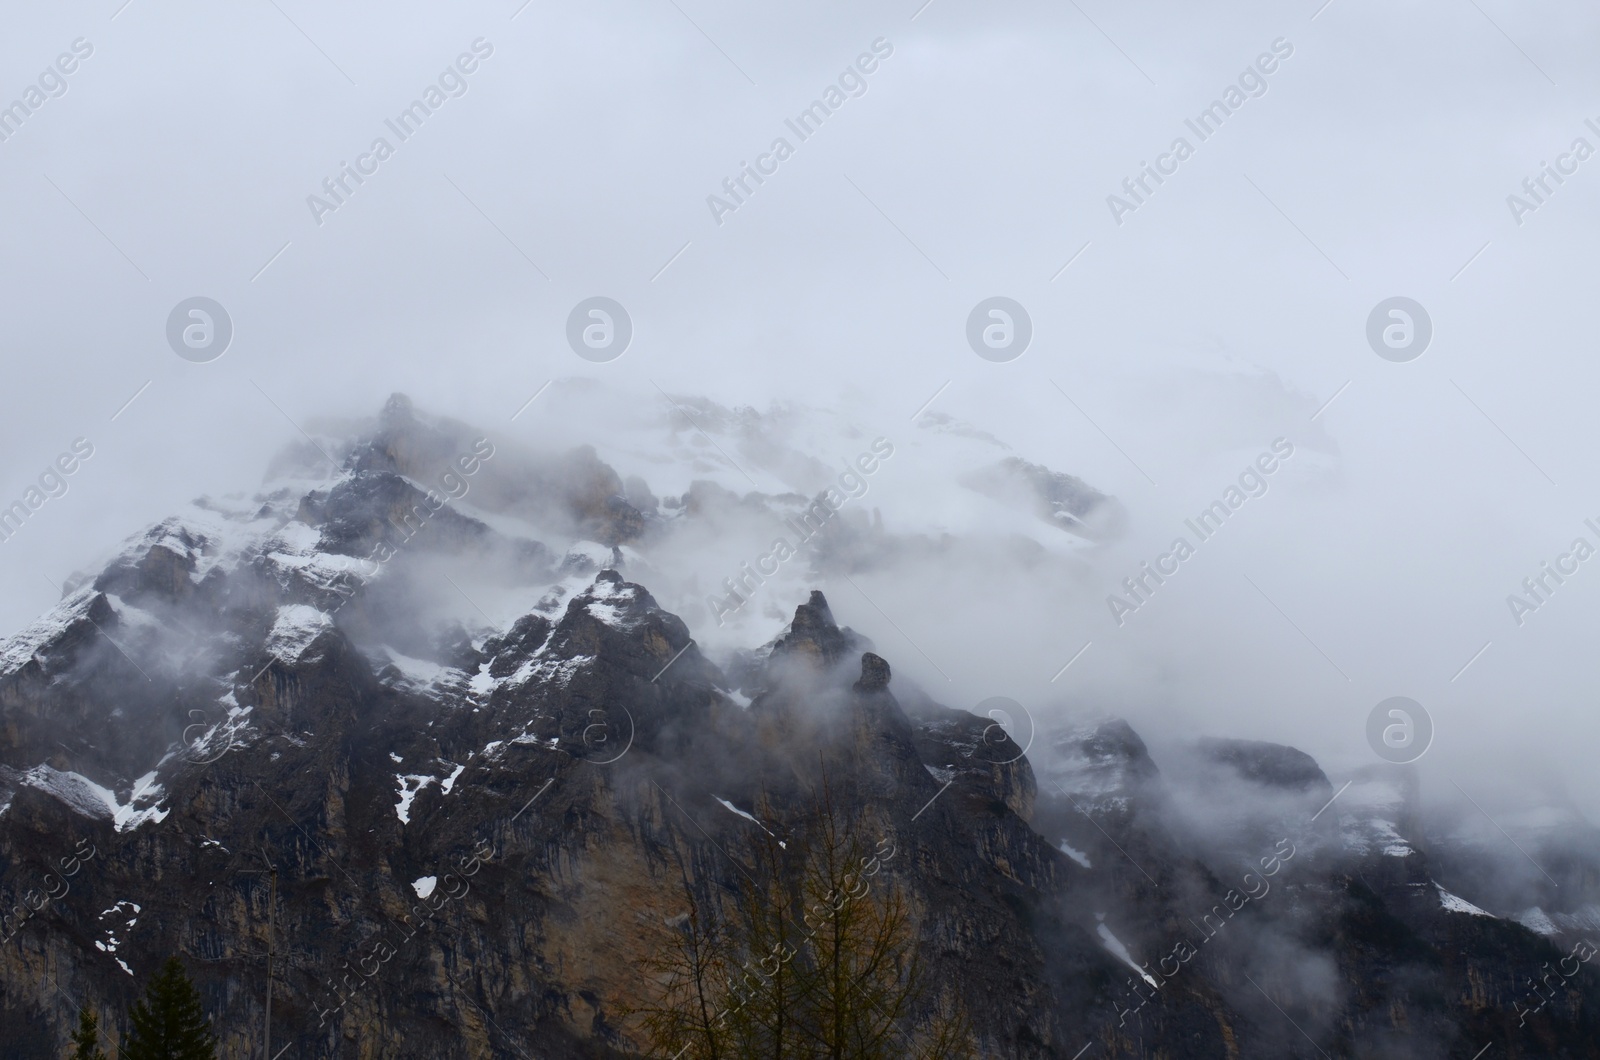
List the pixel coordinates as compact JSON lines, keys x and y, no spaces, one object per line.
{"x":296,"y":627}
{"x":1537,"y":922}
{"x":1457,"y":904}
{"x":1115,"y":947}
{"x":410,"y":786}
{"x":99,"y":802}
{"x":17,"y":650}
{"x":1076,"y":855}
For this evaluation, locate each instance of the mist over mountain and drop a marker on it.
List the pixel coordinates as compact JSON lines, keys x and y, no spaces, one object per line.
{"x":702,"y":530}
{"x":501,"y":715}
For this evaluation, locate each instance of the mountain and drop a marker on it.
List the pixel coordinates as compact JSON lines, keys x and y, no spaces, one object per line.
{"x":427,"y":680}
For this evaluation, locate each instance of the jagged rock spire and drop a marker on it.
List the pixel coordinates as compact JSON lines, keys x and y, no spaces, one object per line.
{"x":874,"y":673}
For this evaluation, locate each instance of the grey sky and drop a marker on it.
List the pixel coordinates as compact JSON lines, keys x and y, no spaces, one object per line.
{"x":1221,"y":313}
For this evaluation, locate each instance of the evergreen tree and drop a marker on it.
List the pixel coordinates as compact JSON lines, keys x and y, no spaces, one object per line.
{"x":86,"y":1039}
{"x":169,"y":1023}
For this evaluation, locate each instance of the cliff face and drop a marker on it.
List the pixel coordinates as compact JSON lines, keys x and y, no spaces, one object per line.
{"x":477,"y":838}
{"x":479,"y":834}
{"x":553,"y":814}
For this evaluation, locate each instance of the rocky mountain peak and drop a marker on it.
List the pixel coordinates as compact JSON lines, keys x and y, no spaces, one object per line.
{"x":874,"y":673}
{"x":396,"y":412}
{"x":1101,"y":761}
{"x":1268,"y":764}
{"x":813,"y":635}
{"x":1065,"y":502}
{"x":381,"y":683}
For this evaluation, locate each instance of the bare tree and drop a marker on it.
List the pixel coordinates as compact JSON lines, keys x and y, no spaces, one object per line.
{"x":688,"y":1019}
{"x":817,"y":959}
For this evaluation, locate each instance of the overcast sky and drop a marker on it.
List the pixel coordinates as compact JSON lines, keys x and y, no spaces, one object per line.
{"x":1173,"y":339}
